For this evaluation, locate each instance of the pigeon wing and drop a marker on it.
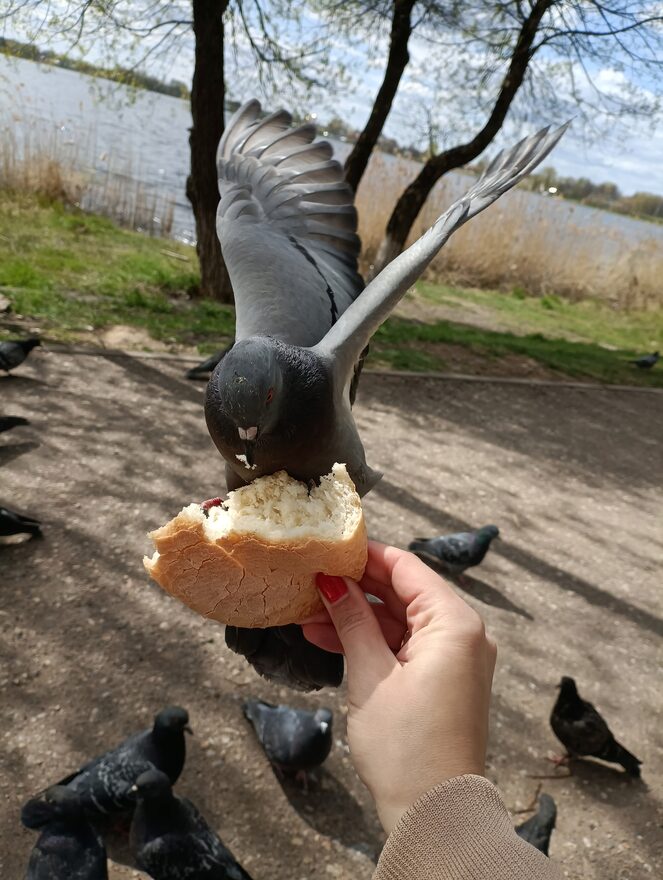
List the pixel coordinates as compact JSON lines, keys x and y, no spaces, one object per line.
{"x":287,"y":227}
{"x":350,"y":334}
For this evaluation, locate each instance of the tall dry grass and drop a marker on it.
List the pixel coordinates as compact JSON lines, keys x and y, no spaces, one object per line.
{"x":524,"y":240}
{"x":41,"y":165}
{"x":542,"y":245}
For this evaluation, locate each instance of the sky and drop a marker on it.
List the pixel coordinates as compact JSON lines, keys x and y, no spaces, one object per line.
{"x":627,"y":154}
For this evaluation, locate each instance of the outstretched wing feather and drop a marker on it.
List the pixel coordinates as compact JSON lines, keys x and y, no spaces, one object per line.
{"x":287,"y":227}
{"x":345,"y":341}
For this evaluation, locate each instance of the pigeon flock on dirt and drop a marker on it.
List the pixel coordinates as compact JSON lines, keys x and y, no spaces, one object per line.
{"x":304,"y":318}
{"x":121,"y":805}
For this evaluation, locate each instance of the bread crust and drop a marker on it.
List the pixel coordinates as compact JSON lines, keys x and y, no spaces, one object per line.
{"x":245,"y":580}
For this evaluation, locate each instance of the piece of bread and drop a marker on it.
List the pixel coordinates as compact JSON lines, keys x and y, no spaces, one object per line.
{"x":252,"y":561}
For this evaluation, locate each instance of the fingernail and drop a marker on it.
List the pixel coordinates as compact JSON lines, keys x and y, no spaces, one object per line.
{"x":332,"y":588}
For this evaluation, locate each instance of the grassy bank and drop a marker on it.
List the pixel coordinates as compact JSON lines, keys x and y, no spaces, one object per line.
{"x":74,"y":276}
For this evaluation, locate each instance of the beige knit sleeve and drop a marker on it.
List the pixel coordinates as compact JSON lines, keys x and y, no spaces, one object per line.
{"x":461,"y":830}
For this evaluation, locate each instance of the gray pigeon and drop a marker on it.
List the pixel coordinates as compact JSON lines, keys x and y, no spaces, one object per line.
{"x":295,"y":741}
{"x":538,"y":829}
{"x":647,"y":361}
{"x":14,"y":352}
{"x":172,"y":841}
{"x":68,"y":847}
{"x":281,"y":397}
{"x":458,"y":552}
{"x":204,"y":368}
{"x":14,"y":523}
{"x":9,"y":422}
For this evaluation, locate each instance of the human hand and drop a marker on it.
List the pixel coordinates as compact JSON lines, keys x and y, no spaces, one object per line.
{"x":420,"y":669}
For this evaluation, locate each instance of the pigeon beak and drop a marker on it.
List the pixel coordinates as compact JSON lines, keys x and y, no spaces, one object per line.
{"x":187,"y":729}
{"x":249,"y":449}
{"x":324,"y":726}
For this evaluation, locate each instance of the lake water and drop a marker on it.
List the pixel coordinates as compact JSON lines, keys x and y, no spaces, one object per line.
{"x":111,"y":132}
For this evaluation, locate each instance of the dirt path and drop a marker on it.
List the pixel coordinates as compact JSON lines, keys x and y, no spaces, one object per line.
{"x":90,"y":650}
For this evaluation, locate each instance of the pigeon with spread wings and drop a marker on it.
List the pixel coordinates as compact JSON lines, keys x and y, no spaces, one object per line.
{"x":281,"y":397}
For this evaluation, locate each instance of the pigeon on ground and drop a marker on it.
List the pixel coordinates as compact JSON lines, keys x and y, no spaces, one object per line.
{"x":295,"y":741}
{"x":647,"y":361}
{"x":68,"y":847}
{"x":580,"y":728}
{"x":14,"y":352}
{"x":281,"y":397}
{"x":103,"y":783}
{"x":538,"y":829}
{"x":172,"y":841}
{"x":14,"y":523}
{"x":9,"y":422}
{"x":458,"y":552}
{"x":203,"y":369}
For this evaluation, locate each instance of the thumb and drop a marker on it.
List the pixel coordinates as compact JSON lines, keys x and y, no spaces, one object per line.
{"x":367,"y":654}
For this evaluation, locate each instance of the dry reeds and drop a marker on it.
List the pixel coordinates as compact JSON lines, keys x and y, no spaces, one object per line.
{"x":539,"y":244}
{"x":526,"y":240}
{"x":40,"y":164}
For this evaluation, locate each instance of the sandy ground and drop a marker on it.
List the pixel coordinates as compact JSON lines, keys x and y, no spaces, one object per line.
{"x":90,"y":650}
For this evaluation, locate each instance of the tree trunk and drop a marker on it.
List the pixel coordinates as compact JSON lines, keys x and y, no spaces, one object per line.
{"x":413,"y":197}
{"x":401,"y":28}
{"x":207,"y":106}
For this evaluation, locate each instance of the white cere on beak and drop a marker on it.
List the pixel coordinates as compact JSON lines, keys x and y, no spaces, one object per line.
{"x":323,"y":726}
{"x":247,"y":433}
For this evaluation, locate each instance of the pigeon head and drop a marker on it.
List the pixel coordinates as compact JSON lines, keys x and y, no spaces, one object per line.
{"x":172,"y":719}
{"x":567,"y":687}
{"x":152,"y":785}
{"x":58,"y":802}
{"x":247,"y":387}
{"x":32,"y":342}
{"x":489,"y":532}
{"x":323,"y":718}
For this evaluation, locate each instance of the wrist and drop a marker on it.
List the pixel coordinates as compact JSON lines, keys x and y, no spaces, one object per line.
{"x":390,"y":809}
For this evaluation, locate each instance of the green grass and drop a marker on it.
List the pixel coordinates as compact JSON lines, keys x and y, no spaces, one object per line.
{"x":584,"y":321}
{"x":70,"y":273}
{"x":74,"y":272}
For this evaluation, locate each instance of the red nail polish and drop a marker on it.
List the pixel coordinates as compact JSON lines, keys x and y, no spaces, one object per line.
{"x":332,"y":588}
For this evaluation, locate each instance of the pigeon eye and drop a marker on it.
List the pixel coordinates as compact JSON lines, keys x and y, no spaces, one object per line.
{"x":270,"y":395}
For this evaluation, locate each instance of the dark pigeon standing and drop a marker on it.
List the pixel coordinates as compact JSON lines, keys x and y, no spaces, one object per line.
{"x":172,"y":841}
{"x":68,"y":847}
{"x":647,"y":361}
{"x":281,"y":396}
{"x":458,"y":552}
{"x":583,"y":732}
{"x":14,"y":352}
{"x":102,"y":784}
{"x":538,"y":829}
{"x":14,"y":523}
{"x":9,"y":422}
{"x":295,"y":741}
{"x":206,"y":367}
